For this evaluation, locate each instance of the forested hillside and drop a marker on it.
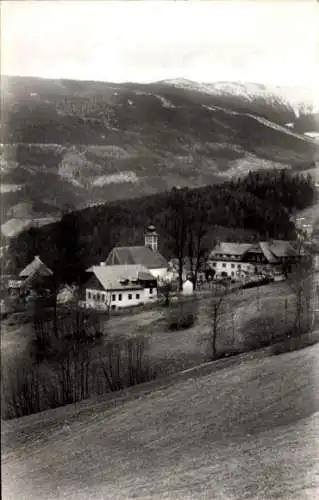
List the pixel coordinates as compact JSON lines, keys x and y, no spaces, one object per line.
{"x":87,"y":143}
{"x":258,"y":206}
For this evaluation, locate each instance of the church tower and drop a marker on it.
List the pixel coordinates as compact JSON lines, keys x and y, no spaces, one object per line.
{"x":151,"y":238}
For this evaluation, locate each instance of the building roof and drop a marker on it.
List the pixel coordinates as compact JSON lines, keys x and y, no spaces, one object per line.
{"x":282,"y":248}
{"x":151,"y":230}
{"x":267,"y":251}
{"x":113,"y":277}
{"x":272,"y":250}
{"x":139,"y":255}
{"x":231,"y":248}
{"x":36,"y":266}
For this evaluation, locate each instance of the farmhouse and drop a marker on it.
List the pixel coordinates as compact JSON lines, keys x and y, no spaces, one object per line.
{"x":119,"y":286}
{"x":147,"y":255}
{"x":238,"y":259}
{"x":35,"y":279}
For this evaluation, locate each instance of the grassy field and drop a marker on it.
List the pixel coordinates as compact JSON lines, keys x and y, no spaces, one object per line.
{"x":249,"y":319}
{"x":243,"y":317}
{"x":246,"y":317}
{"x":244,"y":432}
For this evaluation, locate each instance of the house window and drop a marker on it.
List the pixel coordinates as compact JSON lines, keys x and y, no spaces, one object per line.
{"x":151,"y":291}
{"x":224,"y":265}
{"x":239,"y":266}
{"x":137,"y":295}
{"x":233,"y":265}
{"x":129,"y":296}
{"x":113,"y":297}
{"x":214,"y":264}
{"x":233,"y":274}
{"x":103,"y":297}
{"x":97,"y":296}
{"x":120,"y":296}
{"x":89,"y":295}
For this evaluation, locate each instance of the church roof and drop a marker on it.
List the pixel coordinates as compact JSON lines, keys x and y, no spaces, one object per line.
{"x":139,"y":255}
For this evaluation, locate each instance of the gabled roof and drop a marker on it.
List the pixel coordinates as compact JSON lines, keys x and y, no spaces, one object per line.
{"x":272,"y":250}
{"x":267,"y":251}
{"x":282,"y":248}
{"x":139,"y":255}
{"x":231,"y":249}
{"x":112,"y":277}
{"x":36,"y":266}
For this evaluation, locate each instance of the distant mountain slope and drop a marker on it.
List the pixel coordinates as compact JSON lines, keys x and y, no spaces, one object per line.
{"x":245,"y":431}
{"x":299,"y":100}
{"x":84,"y":143}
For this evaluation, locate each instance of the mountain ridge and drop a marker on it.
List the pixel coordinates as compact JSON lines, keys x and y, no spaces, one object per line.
{"x":82,"y":143}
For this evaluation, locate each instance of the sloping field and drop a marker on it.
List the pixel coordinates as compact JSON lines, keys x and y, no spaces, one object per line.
{"x":243,"y":432}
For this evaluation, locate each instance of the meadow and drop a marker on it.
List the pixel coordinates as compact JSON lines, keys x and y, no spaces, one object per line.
{"x":141,"y":346}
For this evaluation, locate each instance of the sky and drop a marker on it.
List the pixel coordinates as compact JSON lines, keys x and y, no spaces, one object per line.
{"x":265,"y":42}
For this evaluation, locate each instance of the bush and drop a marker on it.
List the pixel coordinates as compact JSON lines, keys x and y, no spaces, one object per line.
{"x":182,"y":315}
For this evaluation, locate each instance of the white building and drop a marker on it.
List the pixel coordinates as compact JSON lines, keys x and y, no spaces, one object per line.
{"x":188,"y":288}
{"x":238,"y":259}
{"x":147,"y":255}
{"x":119,"y":286}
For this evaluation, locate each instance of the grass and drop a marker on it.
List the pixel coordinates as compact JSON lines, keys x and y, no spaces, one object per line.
{"x":242,"y":325}
{"x":245,"y":432}
{"x":248,"y":320}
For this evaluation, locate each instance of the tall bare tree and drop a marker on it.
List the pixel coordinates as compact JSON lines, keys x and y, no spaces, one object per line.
{"x":218,"y":315}
{"x":196,"y":233}
{"x":177,"y":224}
{"x":300,"y":281}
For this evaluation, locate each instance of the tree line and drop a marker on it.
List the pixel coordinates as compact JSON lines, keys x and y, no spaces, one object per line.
{"x":257,"y":207}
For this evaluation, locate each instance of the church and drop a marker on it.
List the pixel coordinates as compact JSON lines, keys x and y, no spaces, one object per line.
{"x":146,"y":255}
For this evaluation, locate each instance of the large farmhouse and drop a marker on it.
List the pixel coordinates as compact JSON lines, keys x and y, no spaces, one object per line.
{"x":236,"y":259}
{"x":113,"y":287}
{"x":147,"y":255}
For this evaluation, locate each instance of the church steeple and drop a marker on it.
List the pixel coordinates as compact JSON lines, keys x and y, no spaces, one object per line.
{"x":151,"y":238}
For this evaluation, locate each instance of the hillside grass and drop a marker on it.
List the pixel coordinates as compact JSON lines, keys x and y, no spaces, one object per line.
{"x":245,"y":432}
{"x":249,"y":319}
{"x":244,"y":311}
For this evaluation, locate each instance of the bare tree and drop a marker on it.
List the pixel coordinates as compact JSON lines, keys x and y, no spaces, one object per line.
{"x":177,"y":224}
{"x":196,"y":232}
{"x":301,"y":283}
{"x":217,"y":311}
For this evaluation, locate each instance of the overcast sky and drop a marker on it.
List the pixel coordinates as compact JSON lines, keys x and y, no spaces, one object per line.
{"x":266,"y":42}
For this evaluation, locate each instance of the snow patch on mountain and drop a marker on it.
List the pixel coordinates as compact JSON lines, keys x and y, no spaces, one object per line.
{"x":298,"y":99}
{"x":264,"y":121}
{"x":165,"y":102}
{"x":126,"y":176}
{"x":285,"y":130}
{"x":242,"y":166}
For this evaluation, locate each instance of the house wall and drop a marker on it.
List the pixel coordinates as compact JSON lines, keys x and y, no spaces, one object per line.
{"x":233,"y":268}
{"x":159,"y":273}
{"x":102,"y":300}
{"x":230,"y":267}
{"x":150,"y":294}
